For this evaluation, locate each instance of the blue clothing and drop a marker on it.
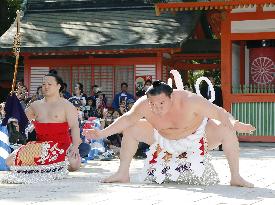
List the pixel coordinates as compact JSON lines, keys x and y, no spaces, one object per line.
{"x":66,"y":95}
{"x":84,"y":149}
{"x":122,"y":96}
{"x":14,"y":109}
{"x":4,"y":145}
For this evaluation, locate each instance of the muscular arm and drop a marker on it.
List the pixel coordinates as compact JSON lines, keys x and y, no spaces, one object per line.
{"x":205,"y":108}
{"x":72,"y":119}
{"x":126,"y":120}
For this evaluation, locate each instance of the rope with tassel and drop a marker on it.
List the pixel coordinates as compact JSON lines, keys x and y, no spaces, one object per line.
{"x":16,"y":49}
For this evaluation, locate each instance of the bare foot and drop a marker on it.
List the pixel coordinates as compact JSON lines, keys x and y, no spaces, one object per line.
{"x":239,"y":181}
{"x":117,"y":177}
{"x":243,"y":128}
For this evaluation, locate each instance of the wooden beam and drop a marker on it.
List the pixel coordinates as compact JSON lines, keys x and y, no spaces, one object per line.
{"x":103,"y":52}
{"x":252,"y":16}
{"x":252,"y":97}
{"x":212,"y":5}
{"x":256,"y":138}
{"x":252,"y":36}
{"x":197,"y":56}
{"x":189,"y":66}
{"x":86,"y":61}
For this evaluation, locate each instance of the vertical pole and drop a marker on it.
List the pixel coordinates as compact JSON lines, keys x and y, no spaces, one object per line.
{"x":226,"y":60}
{"x":16,"y":49}
{"x":159,"y":66}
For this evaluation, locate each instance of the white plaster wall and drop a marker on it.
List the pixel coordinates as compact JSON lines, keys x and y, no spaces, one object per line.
{"x":253,"y":26}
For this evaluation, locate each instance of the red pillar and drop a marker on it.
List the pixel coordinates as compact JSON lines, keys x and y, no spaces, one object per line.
{"x":159,"y":65}
{"x":226,"y":61}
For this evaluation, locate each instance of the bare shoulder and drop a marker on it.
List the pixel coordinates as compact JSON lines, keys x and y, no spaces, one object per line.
{"x":140,"y":106}
{"x":36,"y":104}
{"x":183,"y":96}
{"x":143,"y":101}
{"x":67,"y":104}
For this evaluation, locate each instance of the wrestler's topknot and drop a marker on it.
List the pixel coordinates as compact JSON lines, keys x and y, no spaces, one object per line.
{"x":159,"y":87}
{"x":53,"y":73}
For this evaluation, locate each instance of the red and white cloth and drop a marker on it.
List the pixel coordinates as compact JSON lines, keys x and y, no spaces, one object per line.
{"x":183,"y":160}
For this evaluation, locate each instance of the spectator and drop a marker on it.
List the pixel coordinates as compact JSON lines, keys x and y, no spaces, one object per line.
{"x":79,"y":94}
{"x":147,"y":84}
{"x":19,"y":84}
{"x":115,"y":139}
{"x":90,"y":108}
{"x":141,"y":92}
{"x":2,"y":111}
{"x":130,"y":103}
{"x":77,"y":103}
{"x":84,"y":147}
{"x":95,"y":89}
{"x":123,"y":96}
{"x":39,"y":94}
{"x":15,"y":137}
{"x":123,"y":107}
{"x":66,"y":94}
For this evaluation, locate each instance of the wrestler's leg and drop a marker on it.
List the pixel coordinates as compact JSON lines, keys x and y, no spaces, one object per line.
{"x":218,"y":134}
{"x":140,"y":132}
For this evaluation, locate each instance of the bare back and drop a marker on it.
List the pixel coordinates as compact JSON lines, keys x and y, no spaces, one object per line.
{"x":180,"y":121}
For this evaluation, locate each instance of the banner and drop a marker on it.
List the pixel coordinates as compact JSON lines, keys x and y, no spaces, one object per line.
{"x":261,"y":64}
{"x":140,"y":81}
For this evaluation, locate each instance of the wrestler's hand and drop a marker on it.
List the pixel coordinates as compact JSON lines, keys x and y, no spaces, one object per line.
{"x":74,"y":152}
{"x":91,"y":133}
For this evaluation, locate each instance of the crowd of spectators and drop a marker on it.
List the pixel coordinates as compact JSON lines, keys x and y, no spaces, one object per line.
{"x":95,"y":106}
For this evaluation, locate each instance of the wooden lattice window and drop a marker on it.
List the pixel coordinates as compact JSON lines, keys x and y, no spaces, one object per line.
{"x":124,"y":74}
{"x":104,"y":78}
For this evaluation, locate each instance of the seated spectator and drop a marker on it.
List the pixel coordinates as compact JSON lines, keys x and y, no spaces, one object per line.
{"x":90,"y":108}
{"x":66,"y":94}
{"x":79,"y":94}
{"x":15,"y":137}
{"x":84,"y":147}
{"x":141,"y":92}
{"x":100,"y":104}
{"x":113,"y":140}
{"x":123,"y":96}
{"x":77,"y":103}
{"x":2,"y":111}
{"x":147,"y":84}
{"x":39,"y":94}
{"x":130,"y":104}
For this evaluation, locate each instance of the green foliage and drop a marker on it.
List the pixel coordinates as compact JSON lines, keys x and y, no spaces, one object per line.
{"x":8,"y":13}
{"x":193,"y":75}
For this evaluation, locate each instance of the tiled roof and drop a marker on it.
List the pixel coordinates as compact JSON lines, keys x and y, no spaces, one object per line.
{"x":101,"y":28}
